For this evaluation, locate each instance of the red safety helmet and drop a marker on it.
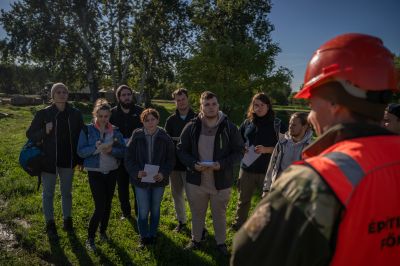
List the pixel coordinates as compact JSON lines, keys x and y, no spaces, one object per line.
{"x":359,"y":59}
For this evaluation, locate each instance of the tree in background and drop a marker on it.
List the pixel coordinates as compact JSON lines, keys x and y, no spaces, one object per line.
{"x":233,"y":54}
{"x":60,"y":36}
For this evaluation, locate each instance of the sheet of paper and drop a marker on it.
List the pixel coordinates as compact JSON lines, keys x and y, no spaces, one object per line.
{"x":250,"y":156}
{"x":206,"y":163}
{"x":151,"y":171}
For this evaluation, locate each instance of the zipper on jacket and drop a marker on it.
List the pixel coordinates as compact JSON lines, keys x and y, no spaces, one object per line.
{"x":55,"y":132}
{"x":70,"y":140}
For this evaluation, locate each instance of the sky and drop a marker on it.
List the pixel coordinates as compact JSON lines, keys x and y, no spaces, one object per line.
{"x":301,"y":26}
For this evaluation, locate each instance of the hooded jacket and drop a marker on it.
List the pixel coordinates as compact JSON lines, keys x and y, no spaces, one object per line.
{"x":136,"y":156}
{"x":279,"y":162}
{"x":228,"y":150}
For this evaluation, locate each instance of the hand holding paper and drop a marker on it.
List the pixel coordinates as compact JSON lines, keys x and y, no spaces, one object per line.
{"x":151,"y":171}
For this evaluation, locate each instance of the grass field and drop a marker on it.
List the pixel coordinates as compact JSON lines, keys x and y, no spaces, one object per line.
{"x":24,"y":242}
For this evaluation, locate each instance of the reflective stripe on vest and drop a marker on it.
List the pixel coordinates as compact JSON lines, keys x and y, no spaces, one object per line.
{"x":340,"y":171}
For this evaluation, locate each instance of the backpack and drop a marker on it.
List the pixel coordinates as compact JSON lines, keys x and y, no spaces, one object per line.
{"x":29,"y":158}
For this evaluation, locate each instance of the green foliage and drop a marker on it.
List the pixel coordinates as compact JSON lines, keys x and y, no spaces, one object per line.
{"x":234,"y":54}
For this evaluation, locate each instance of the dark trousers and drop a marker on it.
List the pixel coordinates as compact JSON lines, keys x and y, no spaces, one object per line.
{"x":102,"y":187}
{"x":123,"y":191}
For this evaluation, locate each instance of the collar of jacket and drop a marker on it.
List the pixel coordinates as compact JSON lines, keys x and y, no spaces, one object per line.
{"x":140,"y":134}
{"x":54,"y":110}
{"x":132,"y":108}
{"x":190,"y":112}
{"x":342,"y":132}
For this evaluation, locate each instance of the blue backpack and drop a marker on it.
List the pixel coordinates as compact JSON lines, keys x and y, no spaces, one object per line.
{"x":30,"y":158}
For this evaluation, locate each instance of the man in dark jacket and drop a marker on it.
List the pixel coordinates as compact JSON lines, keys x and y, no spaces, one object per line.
{"x":174,"y":126}
{"x":57,"y":128}
{"x":125,"y":116}
{"x":209,"y":147}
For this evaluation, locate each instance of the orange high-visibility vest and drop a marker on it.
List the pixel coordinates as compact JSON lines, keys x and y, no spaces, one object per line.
{"x":364,"y":174}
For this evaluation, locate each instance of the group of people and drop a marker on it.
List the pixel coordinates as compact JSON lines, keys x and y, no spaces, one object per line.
{"x":310,"y":212}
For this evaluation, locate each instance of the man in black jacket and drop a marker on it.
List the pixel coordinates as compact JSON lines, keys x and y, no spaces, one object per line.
{"x":57,"y":127}
{"x":174,"y":126}
{"x":125,"y":116}
{"x":209,"y":147}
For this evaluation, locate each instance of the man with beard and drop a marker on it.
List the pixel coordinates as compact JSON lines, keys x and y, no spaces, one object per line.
{"x":125,"y":116}
{"x":289,"y":148}
{"x":174,"y":126}
{"x":209,"y":147}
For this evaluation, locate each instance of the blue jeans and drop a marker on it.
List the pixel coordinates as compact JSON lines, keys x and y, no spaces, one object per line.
{"x":49,"y":186}
{"x":149,"y":202}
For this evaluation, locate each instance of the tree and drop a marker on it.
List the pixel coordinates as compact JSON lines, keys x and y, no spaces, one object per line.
{"x":94,"y":41}
{"x":61,"y":36}
{"x":234,"y":54}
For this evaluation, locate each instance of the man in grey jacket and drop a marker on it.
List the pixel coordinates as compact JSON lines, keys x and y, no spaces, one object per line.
{"x":289,"y":148}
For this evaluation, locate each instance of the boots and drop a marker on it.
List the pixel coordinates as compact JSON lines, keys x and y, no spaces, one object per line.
{"x":68,"y":225}
{"x":51,"y":230}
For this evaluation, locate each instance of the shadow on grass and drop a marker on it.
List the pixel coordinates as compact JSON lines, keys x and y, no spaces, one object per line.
{"x":121,"y":252}
{"x":79,"y":250}
{"x":57,"y":255}
{"x":166,"y":252}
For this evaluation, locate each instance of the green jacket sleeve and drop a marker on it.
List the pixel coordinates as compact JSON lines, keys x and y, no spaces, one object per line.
{"x":295,"y":224}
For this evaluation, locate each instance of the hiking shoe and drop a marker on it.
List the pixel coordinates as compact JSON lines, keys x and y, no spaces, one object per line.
{"x":193,"y":245}
{"x":223,"y":250}
{"x":51,"y":230}
{"x":180,"y":227}
{"x":104,"y":237}
{"x":90,"y":246}
{"x":204,"y":235}
{"x":67,"y":226}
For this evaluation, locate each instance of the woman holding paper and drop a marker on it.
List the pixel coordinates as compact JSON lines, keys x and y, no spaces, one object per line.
{"x":102,"y":146}
{"x":149,"y":160}
{"x":260,"y":132}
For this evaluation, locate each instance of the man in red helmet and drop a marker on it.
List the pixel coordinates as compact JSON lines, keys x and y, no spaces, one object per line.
{"x":341,"y":205}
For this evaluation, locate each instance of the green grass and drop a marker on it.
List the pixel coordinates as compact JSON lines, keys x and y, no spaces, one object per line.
{"x":19,"y":199}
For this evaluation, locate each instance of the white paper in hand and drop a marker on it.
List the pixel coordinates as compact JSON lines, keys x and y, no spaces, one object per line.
{"x":151,"y":171}
{"x":250,"y":156}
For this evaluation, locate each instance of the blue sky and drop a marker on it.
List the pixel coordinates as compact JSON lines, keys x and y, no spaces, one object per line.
{"x":301,"y":26}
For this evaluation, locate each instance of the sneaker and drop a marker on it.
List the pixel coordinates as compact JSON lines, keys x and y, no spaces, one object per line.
{"x":180,"y":227}
{"x":204,"y":235}
{"x":51,"y":230}
{"x":90,"y":245}
{"x":223,"y":250}
{"x":104,"y":237}
{"x":67,"y":226}
{"x":193,"y":245}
